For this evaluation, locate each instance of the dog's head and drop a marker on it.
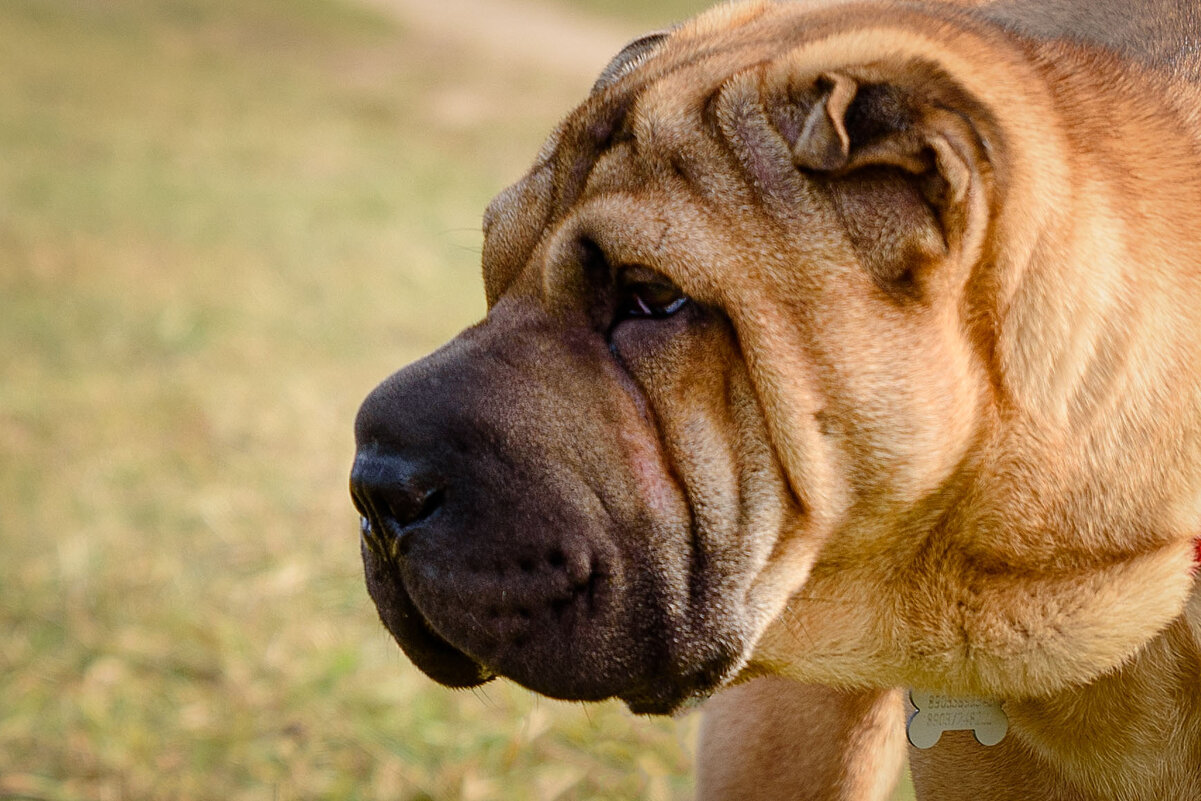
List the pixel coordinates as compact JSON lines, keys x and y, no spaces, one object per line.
{"x":775,"y":376}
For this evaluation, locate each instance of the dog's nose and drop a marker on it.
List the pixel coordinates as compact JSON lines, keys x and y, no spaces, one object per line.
{"x":394,"y":495}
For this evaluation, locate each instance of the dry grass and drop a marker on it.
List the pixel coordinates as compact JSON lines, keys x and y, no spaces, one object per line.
{"x":220,"y":225}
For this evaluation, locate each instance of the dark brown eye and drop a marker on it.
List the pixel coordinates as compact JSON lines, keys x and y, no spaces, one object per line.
{"x":644,"y":293}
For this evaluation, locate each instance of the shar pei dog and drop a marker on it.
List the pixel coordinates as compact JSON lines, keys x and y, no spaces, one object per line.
{"x":846,"y":355}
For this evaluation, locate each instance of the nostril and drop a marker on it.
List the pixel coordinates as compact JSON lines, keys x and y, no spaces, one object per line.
{"x":431,"y":503}
{"x":398,"y":506}
{"x":393,"y":495}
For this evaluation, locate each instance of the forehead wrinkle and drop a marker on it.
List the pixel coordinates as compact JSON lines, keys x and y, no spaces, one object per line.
{"x":662,"y":98}
{"x":682,"y":148}
{"x":659,"y":111}
{"x":665,"y":109}
{"x":674,"y":143}
{"x":695,"y":65}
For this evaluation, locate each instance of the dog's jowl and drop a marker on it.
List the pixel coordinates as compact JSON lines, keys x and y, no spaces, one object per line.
{"x":855,"y":344}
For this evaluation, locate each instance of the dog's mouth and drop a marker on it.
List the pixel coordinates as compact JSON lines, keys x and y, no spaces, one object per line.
{"x":641,"y":675}
{"x":436,"y":657}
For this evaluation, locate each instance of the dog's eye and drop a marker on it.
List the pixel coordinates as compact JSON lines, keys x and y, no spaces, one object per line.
{"x":643,"y":293}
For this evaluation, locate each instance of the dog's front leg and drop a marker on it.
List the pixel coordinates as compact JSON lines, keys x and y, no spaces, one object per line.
{"x":773,"y":739}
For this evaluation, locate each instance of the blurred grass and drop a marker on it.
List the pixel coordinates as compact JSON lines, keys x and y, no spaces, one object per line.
{"x":657,"y":14}
{"x":221,"y":223}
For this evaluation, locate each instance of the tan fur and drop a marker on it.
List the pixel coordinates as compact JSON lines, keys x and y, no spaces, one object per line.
{"x":1003,"y":484}
{"x":802,"y":742}
{"x":1095,"y":253}
{"x":930,"y":418}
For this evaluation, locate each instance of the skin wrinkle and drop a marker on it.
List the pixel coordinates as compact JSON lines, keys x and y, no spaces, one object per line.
{"x":700,"y":592}
{"x":665,"y":226}
{"x":700,"y":525}
{"x":686,"y":66}
{"x":794,"y":500}
{"x":672,"y":473}
{"x":699,"y":557}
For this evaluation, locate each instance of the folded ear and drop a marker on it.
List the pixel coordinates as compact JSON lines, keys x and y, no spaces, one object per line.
{"x":906,"y":173}
{"x":823,"y":142}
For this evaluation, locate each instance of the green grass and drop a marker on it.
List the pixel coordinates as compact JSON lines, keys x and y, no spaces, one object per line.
{"x":221,"y":223}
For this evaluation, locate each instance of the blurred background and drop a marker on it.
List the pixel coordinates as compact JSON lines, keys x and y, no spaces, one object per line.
{"x":222,"y":222}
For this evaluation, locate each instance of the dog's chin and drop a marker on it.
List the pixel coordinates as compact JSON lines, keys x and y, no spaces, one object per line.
{"x":680,"y":694}
{"x":541,"y":665}
{"x":432,"y":654}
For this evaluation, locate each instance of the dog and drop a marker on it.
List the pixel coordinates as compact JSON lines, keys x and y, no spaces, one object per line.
{"x":832,"y":348}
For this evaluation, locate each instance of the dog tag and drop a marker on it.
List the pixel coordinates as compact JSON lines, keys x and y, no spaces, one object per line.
{"x":938,"y":713}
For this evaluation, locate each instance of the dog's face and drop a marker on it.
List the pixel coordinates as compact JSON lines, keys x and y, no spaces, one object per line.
{"x":741,"y":401}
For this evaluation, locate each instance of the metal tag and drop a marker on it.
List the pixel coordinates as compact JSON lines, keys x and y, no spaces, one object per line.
{"x":937,"y":713}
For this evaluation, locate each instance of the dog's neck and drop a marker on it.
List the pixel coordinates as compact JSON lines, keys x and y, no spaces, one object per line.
{"x":1133,"y":733}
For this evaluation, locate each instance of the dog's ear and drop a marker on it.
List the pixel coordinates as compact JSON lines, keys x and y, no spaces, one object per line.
{"x":854,"y":125}
{"x":822,"y":143}
{"x":905,"y":170}
{"x":632,"y":55}
{"x":907,"y":173}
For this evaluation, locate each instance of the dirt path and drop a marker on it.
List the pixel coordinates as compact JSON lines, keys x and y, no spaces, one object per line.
{"x":543,"y":36}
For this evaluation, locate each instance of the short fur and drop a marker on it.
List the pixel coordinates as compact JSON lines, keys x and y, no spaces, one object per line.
{"x":928,"y":415}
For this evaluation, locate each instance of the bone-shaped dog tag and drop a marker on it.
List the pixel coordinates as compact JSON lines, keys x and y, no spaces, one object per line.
{"x":938,"y":713}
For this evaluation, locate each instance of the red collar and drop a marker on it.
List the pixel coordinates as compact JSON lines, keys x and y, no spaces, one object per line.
{"x":1197,"y":552}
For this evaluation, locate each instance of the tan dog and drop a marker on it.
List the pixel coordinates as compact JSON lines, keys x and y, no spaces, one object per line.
{"x":853,"y":343}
